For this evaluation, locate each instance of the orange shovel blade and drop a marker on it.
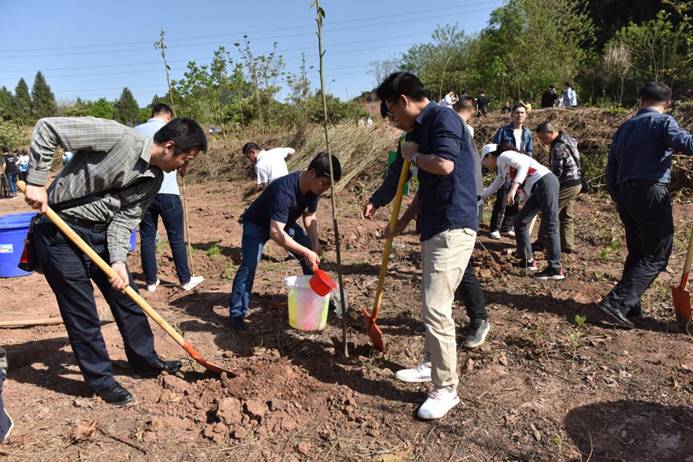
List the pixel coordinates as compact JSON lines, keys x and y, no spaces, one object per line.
{"x":194,"y":354}
{"x":374,"y":331}
{"x":682,"y":306}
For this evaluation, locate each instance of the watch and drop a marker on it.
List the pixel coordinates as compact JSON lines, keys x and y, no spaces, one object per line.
{"x":413,"y":159}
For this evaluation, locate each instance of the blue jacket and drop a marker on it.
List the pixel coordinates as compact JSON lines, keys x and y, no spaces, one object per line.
{"x":505,"y":135}
{"x":642,"y":147}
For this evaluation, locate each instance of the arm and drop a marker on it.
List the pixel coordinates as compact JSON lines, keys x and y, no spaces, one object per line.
{"x":493,"y":187}
{"x":288,"y":152}
{"x":388,"y":189}
{"x":409,"y":214}
{"x":278,"y":235}
{"x":262,"y":178}
{"x":612,"y":168}
{"x":557,"y":158}
{"x":678,"y":138}
{"x":530,"y":143}
{"x":310,"y":222}
{"x":497,"y":136}
{"x":446,"y":133}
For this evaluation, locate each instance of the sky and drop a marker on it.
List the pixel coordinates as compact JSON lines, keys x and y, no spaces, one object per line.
{"x":93,"y":49}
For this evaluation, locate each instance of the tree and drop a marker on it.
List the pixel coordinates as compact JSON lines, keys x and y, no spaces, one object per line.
{"x":101,"y":108}
{"x":616,"y":62}
{"x":381,"y":69}
{"x":126,"y":109}
{"x":42,"y":99}
{"x":6,"y":104}
{"x":22,"y":102}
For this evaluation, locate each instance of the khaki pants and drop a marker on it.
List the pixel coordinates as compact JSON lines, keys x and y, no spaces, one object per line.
{"x":445,"y":257}
{"x":566,"y":205}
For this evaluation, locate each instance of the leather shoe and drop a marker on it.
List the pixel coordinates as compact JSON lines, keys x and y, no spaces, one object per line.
{"x":616,"y":314}
{"x":160,"y":366}
{"x":116,"y":395}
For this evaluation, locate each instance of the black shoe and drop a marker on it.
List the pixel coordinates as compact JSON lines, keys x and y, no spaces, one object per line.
{"x":238,"y":325}
{"x":635,"y":313}
{"x":116,"y":395}
{"x":529,"y":266}
{"x":568,"y":251}
{"x":550,"y":273}
{"x":160,"y":366}
{"x":420,"y":328}
{"x":616,"y":314}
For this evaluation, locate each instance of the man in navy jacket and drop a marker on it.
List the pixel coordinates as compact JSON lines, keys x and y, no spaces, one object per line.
{"x":638,"y":173}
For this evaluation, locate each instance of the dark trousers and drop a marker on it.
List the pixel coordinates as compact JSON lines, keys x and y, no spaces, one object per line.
{"x":170,"y":209}
{"x":4,"y":418}
{"x":12,"y":183}
{"x":70,"y":274}
{"x":470,"y":292}
{"x":645,"y":210}
{"x":254,"y":239}
{"x":544,"y":199}
{"x":503,"y":216}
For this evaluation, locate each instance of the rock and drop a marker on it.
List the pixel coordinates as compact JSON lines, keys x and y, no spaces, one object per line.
{"x":289,"y":424}
{"x":256,"y":408}
{"x":278,"y":405}
{"x":225,"y":380}
{"x":152,"y":425}
{"x":486,"y":347}
{"x":227,"y":355}
{"x":503,"y":359}
{"x":229,"y":411}
{"x":304,"y":447}
{"x":470,"y":365}
{"x":171,"y":382}
{"x":239,"y":433}
{"x":219,"y":427}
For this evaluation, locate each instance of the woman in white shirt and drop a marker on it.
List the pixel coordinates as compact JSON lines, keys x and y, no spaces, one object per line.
{"x":540,"y":190}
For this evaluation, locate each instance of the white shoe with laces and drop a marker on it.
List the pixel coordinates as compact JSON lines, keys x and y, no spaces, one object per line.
{"x":193,"y":282}
{"x":420,"y":373}
{"x":494,"y":235}
{"x":510,"y":233}
{"x":438,"y":403}
{"x":152,"y":287}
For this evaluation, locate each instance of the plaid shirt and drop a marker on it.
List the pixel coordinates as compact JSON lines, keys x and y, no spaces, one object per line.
{"x":107,"y":158}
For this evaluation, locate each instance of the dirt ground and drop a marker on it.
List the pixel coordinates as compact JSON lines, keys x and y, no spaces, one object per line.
{"x":547,"y":386}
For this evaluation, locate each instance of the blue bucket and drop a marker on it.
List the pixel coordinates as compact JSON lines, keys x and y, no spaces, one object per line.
{"x":133,"y":240}
{"x":13,"y":230}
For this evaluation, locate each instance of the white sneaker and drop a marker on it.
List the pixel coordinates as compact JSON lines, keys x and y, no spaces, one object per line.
{"x":438,"y":403}
{"x":152,"y":287}
{"x":193,"y":282}
{"x":494,"y":235}
{"x":420,"y":373}
{"x":510,"y":233}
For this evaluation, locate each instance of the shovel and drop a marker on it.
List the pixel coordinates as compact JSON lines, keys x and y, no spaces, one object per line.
{"x":374,"y":331}
{"x":682,"y":296}
{"x":106,"y":268}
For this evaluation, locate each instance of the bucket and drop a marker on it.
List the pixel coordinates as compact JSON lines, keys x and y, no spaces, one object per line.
{"x":321,"y":282}
{"x":13,"y":230}
{"x":133,"y":240}
{"x":307,"y":310}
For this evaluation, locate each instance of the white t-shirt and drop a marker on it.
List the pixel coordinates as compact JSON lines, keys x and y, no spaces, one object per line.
{"x":271,"y":165}
{"x":513,"y":166}
{"x":517,"y":133}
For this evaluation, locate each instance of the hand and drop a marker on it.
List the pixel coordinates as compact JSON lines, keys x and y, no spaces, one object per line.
{"x":36,"y":197}
{"x":510,"y":200}
{"x":122,"y":280}
{"x":408,"y":150}
{"x":312,"y":259}
{"x":369,"y":211}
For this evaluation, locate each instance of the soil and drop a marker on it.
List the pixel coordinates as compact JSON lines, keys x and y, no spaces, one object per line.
{"x":547,"y":386}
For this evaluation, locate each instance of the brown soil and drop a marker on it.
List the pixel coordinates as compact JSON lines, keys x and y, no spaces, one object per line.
{"x":542,"y":388}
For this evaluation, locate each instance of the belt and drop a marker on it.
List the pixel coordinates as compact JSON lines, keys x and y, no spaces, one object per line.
{"x":637,"y":183}
{"x":94,"y":226}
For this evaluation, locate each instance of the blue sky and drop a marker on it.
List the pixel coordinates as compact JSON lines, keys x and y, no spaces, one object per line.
{"x":95,"y":48}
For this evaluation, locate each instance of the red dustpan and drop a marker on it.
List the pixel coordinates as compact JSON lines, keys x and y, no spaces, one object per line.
{"x":682,"y":296}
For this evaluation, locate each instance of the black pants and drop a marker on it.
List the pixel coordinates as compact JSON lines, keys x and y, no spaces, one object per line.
{"x":70,"y":274}
{"x":645,"y":210}
{"x":502,"y":216}
{"x":470,"y":292}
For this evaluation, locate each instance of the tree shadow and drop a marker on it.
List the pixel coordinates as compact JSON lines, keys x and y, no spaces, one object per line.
{"x":636,"y":431}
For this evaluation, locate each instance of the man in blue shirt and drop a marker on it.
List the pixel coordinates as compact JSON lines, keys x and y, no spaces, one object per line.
{"x":273,"y":216}
{"x":638,"y":173}
{"x":168,"y":206}
{"x":446,"y":204}
{"x":519,"y":136}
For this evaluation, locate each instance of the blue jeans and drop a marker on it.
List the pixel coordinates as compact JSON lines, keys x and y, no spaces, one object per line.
{"x":170,"y":209}
{"x":12,"y":183}
{"x":254,"y":239}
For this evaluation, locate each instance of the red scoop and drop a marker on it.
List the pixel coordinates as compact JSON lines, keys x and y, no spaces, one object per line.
{"x":321,"y":282}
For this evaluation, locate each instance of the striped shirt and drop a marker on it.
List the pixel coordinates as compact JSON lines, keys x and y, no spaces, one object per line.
{"x":107,"y":158}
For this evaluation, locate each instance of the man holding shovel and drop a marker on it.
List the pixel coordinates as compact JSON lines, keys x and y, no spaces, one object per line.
{"x":638,"y":173}
{"x":446,"y":202}
{"x":102,"y":194}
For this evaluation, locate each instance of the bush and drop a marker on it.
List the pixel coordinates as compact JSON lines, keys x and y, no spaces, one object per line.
{"x":11,"y":135}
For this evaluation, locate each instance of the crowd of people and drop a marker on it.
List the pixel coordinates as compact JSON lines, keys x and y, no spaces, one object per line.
{"x":14,"y":166}
{"x":119,"y":177}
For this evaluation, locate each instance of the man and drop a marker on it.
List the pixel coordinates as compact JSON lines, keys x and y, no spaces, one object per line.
{"x":6,"y":423}
{"x":548,"y":99}
{"x":540,"y":189}
{"x":168,"y":206}
{"x":273,"y":216}
{"x":638,"y":173}
{"x":11,"y":170}
{"x":102,"y":194}
{"x":564,"y":160}
{"x":569,"y":96}
{"x":519,"y":136}
{"x":4,"y":189}
{"x":482,"y":104}
{"x":269,"y":164}
{"x":446,"y":204}
{"x":470,"y":288}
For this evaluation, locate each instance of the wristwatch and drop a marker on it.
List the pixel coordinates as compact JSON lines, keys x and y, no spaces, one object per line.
{"x":413,"y":159}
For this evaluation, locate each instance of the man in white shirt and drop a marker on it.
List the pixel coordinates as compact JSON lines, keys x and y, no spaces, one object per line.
{"x":168,"y":206}
{"x":540,"y":189}
{"x":269,"y":164}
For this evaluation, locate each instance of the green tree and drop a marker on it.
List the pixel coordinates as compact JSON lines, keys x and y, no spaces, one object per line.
{"x":77,"y":109}
{"x":101,"y":108}
{"x":42,"y":99}
{"x":6,"y":104}
{"x":126,"y":109}
{"x":11,"y":134}
{"x":22,"y":102}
